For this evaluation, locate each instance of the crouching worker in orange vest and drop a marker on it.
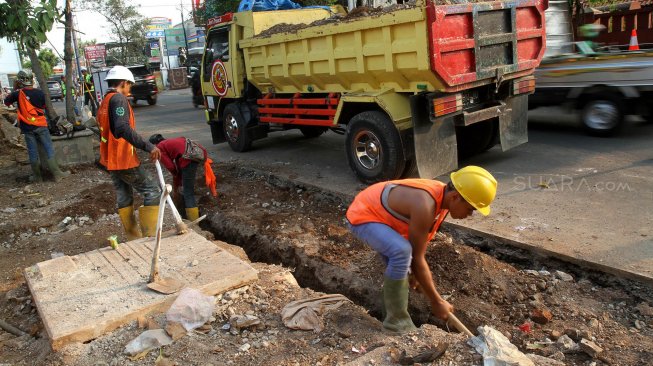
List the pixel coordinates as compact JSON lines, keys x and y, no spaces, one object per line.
{"x":118,"y":141}
{"x":398,"y":219}
{"x":182,"y":164}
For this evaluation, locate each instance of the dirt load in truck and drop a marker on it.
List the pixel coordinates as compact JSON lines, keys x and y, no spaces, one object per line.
{"x":410,"y":87}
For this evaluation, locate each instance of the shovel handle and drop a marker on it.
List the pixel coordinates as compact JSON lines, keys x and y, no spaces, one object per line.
{"x":181,"y":227}
{"x":458,"y":325}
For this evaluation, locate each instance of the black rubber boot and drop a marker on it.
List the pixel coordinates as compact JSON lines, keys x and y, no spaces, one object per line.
{"x":36,"y":173}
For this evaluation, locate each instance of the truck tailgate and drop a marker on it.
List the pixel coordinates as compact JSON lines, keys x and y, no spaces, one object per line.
{"x":493,"y":40}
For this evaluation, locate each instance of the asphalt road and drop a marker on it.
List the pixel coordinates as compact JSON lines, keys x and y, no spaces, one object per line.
{"x":581,"y":197}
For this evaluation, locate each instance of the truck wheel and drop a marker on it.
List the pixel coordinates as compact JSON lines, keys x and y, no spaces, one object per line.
{"x":312,"y":131}
{"x":235,"y":129}
{"x":151,"y":100}
{"x":475,"y":139}
{"x":602,"y":116}
{"x":374,"y":149}
{"x":410,"y":169}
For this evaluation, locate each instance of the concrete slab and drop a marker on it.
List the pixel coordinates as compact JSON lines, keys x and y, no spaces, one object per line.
{"x":82,"y":297}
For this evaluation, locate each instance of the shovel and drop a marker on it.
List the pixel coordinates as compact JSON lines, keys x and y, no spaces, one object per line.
{"x":458,"y":325}
{"x":164,"y":285}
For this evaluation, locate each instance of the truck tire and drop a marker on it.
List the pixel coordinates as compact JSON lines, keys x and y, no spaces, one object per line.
{"x":151,"y":100}
{"x":235,"y":129}
{"x":374,"y":149}
{"x":602,"y":116}
{"x":311,"y":132}
{"x":475,"y":139}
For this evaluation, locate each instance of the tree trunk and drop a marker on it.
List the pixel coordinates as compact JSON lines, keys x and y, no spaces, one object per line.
{"x":38,"y":71}
{"x":68,"y":60}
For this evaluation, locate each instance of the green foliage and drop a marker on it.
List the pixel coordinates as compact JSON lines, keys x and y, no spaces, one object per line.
{"x":128,"y":27}
{"x":25,"y":23}
{"x":48,"y":61}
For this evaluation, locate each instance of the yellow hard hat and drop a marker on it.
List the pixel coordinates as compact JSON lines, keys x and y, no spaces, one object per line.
{"x":477,"y":186}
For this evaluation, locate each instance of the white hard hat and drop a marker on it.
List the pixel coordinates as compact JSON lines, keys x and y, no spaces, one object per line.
{"x":83,"y":68}
{"x":120,"y":73}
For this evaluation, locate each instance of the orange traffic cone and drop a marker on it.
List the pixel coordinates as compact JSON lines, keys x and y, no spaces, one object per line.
{"x":634,"y":45}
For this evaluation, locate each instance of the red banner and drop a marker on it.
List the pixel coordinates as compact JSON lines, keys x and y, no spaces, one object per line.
{"x":95,"y":51}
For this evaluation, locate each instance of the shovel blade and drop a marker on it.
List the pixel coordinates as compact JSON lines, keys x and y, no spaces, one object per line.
{"x":165,"y":285}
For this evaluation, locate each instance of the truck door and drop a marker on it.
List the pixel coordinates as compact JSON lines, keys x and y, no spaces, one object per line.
{"x":217,"y":75}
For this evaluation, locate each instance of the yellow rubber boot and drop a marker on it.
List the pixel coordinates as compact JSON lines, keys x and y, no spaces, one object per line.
{"x":192,"y":213}
{"x":148,"y":215}
{"x":128,"y":220}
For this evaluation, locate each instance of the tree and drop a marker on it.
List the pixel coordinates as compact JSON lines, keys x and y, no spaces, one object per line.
{"x":48,"y":61}
{"x":128,"y":27}
{"x":26,"y":24}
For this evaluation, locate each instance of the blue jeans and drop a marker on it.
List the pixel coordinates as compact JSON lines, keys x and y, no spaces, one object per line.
{"x":37,"y":136}
{"x":395,"y":250}
{"x":125,"y":181}
{"x":188,"y":182}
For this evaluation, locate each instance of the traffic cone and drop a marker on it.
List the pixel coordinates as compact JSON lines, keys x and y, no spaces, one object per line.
{"x":634,"y":45}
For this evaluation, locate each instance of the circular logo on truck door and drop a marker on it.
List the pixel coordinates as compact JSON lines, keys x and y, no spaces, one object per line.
{"x":219,"y":78}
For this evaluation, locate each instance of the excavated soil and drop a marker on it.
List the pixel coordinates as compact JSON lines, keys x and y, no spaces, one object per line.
{"x":299,"y":232}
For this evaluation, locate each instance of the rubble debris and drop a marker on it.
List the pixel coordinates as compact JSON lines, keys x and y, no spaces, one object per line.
{"x":429,"y":355}
{"x":591,"y":348}
{"x":541,"y":316}
{"x":644,"y":309}
{"x":147,"y":341}
{"x":240,"y":322}
{"x":564,"y":276}
{"x":191,"y":308}
{"x":11,"y":329}
{"x":545,"y":361}
{"x":175,"y":330}
{"x":567,"y":345}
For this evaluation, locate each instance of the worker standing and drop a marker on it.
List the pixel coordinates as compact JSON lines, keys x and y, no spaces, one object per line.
{"x":89,"y":91}
{"x":118,"y":141}
{"x":34,"y":125}
{"x":398,"y":219}
{"x":177,"y":157}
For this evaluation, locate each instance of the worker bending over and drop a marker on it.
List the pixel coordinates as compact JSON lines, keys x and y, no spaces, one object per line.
{"x":398,"y":219}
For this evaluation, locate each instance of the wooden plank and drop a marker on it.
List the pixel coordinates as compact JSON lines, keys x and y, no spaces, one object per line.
{"x":82,"y":297}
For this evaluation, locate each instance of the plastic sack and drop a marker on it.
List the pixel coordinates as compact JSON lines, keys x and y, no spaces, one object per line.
{"x":263,"y":5}
{"x":191,"y":309}
{"x":497,"y":350}
{"x":148,"y":340}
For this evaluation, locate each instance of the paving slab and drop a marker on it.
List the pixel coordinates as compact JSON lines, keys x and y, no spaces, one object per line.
{"x":84,"y":296}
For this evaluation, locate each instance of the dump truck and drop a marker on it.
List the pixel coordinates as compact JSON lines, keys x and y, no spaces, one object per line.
{"x":410,"y":87}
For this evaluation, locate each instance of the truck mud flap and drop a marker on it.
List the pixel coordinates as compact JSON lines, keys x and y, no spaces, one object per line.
{"x":513,"y":125}
{"x":217,"y":132}
{"x":436,"y":150}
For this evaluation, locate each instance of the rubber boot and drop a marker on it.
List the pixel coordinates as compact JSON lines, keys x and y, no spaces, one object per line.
{"x":192,"y":213}
{"x":54,"y":169}
{"x":36,"y":173}
{"x":128,"y":220}
{"x":395,"y":299}
{"x":148,"y":216}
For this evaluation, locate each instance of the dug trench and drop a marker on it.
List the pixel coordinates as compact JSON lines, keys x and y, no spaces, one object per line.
{"x":301,"y":227}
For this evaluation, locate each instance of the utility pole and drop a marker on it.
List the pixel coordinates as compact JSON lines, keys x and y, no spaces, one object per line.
{"x":68,"y":55}
{"x":183,"y":26}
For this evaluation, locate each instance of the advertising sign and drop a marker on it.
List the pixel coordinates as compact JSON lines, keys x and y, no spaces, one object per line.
{"x":155,"y":34}
{"x":95,"y":51}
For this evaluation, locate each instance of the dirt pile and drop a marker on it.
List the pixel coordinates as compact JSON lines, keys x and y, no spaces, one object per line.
{"x":359,"y":12}
{"x":12,"y":149}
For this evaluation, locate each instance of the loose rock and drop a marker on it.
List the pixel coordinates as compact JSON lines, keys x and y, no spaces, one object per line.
{"x":589,"y":347}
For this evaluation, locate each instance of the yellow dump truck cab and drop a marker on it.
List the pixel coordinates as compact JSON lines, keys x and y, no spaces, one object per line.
{"x":412,"y":88}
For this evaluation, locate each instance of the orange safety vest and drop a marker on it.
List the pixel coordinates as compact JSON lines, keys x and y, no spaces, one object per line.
{"x":367,"y":206}
{"x":28,"y":113}
{"x":115,"y":154}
